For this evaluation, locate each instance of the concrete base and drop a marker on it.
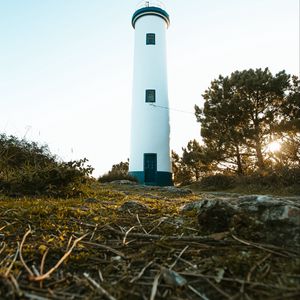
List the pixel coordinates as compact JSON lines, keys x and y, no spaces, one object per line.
{"x":161,"y":178}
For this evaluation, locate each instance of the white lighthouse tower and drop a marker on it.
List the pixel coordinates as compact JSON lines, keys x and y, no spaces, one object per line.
{"x":150,"y":161}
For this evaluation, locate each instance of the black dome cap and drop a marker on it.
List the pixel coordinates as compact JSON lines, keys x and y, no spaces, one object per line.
{"x":151,"y":10}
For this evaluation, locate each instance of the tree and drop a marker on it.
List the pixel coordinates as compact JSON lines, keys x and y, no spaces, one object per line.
{"x":240,"y":113}
{"x":182,"y":174}
{"x":196,"y":159}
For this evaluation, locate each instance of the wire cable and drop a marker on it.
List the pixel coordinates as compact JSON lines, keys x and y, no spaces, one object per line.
{"x":172,"y":109}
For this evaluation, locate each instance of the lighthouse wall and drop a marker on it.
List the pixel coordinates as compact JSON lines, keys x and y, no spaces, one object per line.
{"x":150,"y":128}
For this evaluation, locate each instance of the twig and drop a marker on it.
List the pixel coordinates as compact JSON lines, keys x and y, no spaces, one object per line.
{"x":202,"y":296}
{"x":155,"y":285}
{"x":43,"y":264}
{"x":284,"y":288}
{"x":100,"y":275}
{"x":21,"y":256}
{"x":3,"y":247}
{"x":99,"y":287}
{"x":171,"y":238}
{"x":141,"y":272}
{"x":138,"y":219}
{"x":43,"y":261}
{"x":256,"y":265}
{"x":218,"y":289}
{"x":105,"y":248}
{"x":16,"y":285}
{"x":12,"y":263}
{"x":178,"y":257}
{"x":94,"y":231}
{"x":162,"y":219}
{"x":126,"y":233}
{"x":46,"y":275}
{"x":257,"y":246}
{"x":69,"y":242}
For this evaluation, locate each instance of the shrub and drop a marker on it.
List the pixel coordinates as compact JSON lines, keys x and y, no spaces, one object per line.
{"x":27,"y":168}
{"x":118,"y":172}
{"x":217,"y":182}
{"x":113,"y":176}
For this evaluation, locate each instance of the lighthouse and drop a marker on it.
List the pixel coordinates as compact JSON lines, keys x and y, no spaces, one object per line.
{"x":150,"y":161}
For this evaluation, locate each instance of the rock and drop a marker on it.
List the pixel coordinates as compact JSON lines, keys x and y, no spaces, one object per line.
{"x":133,"y":206}
{"x":177,"y":191}
{"x":91,"y":200}
{"x":257,"y":217}
{"x":123,"y":182}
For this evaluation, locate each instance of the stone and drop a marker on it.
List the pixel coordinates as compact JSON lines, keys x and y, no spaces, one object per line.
{"x":177,"y":191}
{"x":133,"y":206}
{"x":123,"y":182}
{"x":91,"y":200}
{"x":258,"y":217}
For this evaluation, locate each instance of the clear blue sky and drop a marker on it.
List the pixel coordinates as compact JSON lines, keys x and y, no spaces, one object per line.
{"x":66,"y":66}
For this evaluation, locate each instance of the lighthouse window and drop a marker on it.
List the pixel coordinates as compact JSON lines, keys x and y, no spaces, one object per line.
{"x":150,"y":95}
{"x":150,"y":39}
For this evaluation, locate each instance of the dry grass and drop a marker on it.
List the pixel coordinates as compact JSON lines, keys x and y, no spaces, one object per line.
{"x":89,"y":249}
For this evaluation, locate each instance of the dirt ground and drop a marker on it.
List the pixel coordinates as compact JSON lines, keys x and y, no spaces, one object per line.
{"x":132,"y":242}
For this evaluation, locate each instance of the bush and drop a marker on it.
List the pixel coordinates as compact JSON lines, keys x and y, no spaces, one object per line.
{"x":217,"y":182}
{"x":113,"y":176}
{"x":27,"y":168}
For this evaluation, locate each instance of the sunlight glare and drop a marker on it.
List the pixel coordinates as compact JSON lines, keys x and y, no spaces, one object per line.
{"x":274,"y":146}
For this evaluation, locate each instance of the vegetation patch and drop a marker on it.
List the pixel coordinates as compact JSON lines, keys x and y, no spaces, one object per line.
{"x":89,"y":248}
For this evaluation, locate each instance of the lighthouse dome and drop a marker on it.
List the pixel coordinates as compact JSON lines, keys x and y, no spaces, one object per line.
{"x":156,"y":8}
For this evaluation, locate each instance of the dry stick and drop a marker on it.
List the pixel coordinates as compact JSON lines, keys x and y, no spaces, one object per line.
{"x":99,"y":287}
{"x":3,"y":247}
{"x":69,"y":242}
{"x":16,"y":285}
{"x":142,"y":272}
{"x":12,"y":263}
{"x":100,"y":275}
{"x":46,"y":275}
{"x":126,"y":233}
{"x":160,"y":221}
{"x":43,"y":261}
{"x":256,"y":265}
{"x":138,"y":219}
{"x":218,"y":289}
{"x":241,"y":281}
{"x":178,"y":257}
{"x":155,"y":285}
{"x":202,"y":296}
{"x":21,"y":256}
{"x":257,"y":246}
{"x":105,"y":248}
{"x":43,"y":264}
{"x":94,"y":231}
{"x":170,"y":238}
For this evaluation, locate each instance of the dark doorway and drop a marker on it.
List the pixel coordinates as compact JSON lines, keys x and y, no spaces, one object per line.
{"x":150,"y":167}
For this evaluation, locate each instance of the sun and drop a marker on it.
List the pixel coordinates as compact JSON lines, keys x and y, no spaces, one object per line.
{"x":274,"y":146}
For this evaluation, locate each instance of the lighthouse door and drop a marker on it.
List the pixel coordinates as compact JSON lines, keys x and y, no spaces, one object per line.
{"x":150,"y":167}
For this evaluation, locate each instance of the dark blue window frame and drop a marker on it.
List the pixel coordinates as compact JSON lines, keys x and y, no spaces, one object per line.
{"x":150,"y":96}
{"x":150,"y":39}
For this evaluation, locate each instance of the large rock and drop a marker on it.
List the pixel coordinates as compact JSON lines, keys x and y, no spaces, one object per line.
{"x":261,"y":218}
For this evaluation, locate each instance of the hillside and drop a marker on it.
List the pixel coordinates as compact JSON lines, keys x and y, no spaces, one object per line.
{"x":136,"y":242}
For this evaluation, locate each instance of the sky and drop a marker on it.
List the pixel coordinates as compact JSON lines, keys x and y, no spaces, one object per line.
{"x":66,"y":66}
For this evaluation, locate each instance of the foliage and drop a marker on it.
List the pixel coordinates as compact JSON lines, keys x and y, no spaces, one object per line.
{"x":27,"y":168}
{"x":194,"y":163}
{"x":118,"y":172}
{"x":244,"y":112}
{"x":218,"y":182}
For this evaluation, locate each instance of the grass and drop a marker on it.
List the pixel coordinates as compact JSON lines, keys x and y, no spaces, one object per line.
{"x":132,"y":254}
